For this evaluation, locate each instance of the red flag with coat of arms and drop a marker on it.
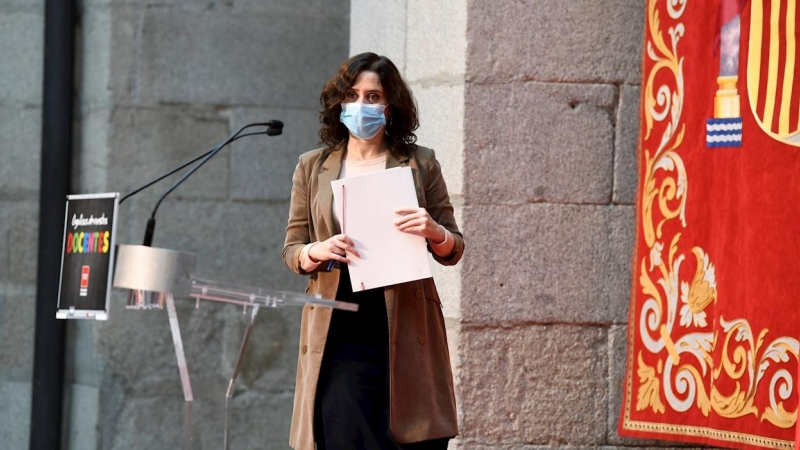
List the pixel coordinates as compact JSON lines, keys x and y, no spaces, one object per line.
{"x":714,"y":321}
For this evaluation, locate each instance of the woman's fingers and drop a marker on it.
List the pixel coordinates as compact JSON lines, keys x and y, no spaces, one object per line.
{"x":408,"y":214}
{"x":419,"y":222}
{"x":411,"y":223}
{"x":406,"y":211}
{"x":336,"y":253}
{"x":342,"y":244}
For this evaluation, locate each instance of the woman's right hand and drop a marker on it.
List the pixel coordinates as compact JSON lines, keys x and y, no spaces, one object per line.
{"x":335,"y":248}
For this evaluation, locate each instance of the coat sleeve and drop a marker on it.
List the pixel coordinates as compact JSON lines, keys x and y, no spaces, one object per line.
{"x":297,"y":229}
{"x":440,"y":210}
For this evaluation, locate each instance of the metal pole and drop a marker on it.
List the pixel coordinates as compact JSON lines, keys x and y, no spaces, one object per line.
{"x":57,"y":104}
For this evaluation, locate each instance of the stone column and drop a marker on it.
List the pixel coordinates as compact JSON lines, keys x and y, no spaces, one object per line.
{"x":533,"y":106}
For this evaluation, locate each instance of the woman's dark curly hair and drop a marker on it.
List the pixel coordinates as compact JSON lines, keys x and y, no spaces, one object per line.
{"x":403,"y":118}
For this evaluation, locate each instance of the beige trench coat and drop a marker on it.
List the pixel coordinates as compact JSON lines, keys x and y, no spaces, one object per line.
{"x":422,"y":401}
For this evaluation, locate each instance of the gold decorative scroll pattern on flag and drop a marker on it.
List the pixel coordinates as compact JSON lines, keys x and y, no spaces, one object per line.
{"x":673,"y":324}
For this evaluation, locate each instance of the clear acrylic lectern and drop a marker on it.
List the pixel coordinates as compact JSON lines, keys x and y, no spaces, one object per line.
{"x":155,"y":276}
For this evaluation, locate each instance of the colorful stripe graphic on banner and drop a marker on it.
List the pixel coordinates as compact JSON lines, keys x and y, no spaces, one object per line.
{"x":713,"y":346}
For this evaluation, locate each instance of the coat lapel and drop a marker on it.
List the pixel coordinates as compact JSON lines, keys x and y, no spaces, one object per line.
{"x":330,"y":172}
{"x":393,"y":160}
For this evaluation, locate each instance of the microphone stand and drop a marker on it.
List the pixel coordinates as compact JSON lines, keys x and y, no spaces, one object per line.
{"x":152,"y":182}
{"x":274,"y":128}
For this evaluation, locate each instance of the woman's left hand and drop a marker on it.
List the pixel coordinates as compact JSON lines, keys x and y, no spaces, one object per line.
{"x":418,"y":221}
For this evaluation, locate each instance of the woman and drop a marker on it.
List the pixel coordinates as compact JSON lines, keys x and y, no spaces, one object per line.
{"x":379,"y":378}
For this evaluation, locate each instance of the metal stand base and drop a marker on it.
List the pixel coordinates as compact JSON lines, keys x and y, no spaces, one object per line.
{"x":253,"y":313}
{"x":178,"y":343}
{"x":187,"y":426}
{"x":229,"y":393}
{"x":227,"y":439}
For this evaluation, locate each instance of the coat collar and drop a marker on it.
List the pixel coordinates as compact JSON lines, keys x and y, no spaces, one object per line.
{"x":330,"y":172}
{"x":395,"y":160}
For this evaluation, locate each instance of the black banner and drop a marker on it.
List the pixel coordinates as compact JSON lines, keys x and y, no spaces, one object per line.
{"x":87,"y":256}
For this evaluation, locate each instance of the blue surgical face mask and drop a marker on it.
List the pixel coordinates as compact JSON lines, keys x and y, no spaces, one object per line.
{"x":362,"y":119}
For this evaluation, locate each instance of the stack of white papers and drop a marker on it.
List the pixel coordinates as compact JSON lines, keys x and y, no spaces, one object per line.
{"x":388,"y":256}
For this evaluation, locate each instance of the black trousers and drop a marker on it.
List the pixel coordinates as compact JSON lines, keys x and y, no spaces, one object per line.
{"x":351,"y":411}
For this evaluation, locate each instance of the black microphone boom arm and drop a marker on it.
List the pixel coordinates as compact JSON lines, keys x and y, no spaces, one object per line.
{"x":274,"y":128}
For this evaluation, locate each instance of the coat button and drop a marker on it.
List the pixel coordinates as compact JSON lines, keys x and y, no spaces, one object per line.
{"x":421,"y":339}
{"x":304,"y":350}
{"x":311,"y":307}
{"x":419,"y":293}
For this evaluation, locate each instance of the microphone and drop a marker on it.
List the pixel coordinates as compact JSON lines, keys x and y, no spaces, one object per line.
{"x":274,"y":128}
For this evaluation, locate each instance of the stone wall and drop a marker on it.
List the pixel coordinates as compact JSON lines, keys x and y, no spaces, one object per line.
{"x":533,"y":108}
{"x":160,"y":81}
{"x":21,"y":44}
{"x":552,"y":89}
{"x":530,"y":106}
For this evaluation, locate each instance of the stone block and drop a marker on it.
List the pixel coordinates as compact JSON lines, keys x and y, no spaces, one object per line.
{"x":235,"y":242}
{"x":82,"y":363}
{"x":547,"y":263}
{"x":453,"y":329}
{"x":436,"y":46}
{"x":15,"y":415}
{"x":22,"y":48}
{"x":93,"y":55}
{"x":270,"y":359}
{"x":261,"y":166}
{"x":448,"y":278}
{"x":80,"y":416}
{"x":448,"y":284}
{"x":20,"y":132}
{"x":534,"y":142}
{"x":441,"y":116}
{"x":379,"y":27}
{"x":19,"y":241}
{"x":474,"y":445}
{"x":183,"y":4}
{"x":17,"y":323}
{"x":23,"y":245}
{"x":312,"y":8}
{"x":534,"y":385}
{"x":618,"y":363}
{"x":90,"y":161}
{"x":257,"y":421}
{"x":137,"y":356}
{"x":26,"y":5}
{"x":237,"y":59}
{"x":556,"y":40}
{"x":292,"y":7}
{"x":158,"y":423}
{"x":119,"y":56}
{"x":144,"y":143}
{"x":626,"y":167}
{"x":262,"y":421}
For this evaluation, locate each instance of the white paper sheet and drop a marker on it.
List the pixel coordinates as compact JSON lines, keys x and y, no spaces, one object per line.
{"x":388,"y":256}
